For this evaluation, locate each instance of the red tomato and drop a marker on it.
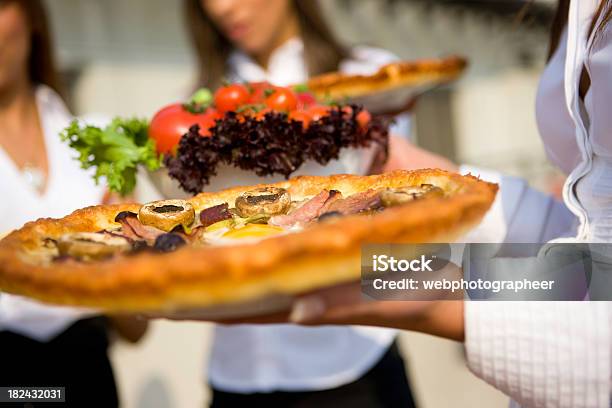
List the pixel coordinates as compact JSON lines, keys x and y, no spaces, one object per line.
{"x":208,"y":120}
{"x":283,"y":100}
{"x":301,"y":116}
{"x":173,"y":121}
{"x":363,"y":118}
{"x":305,"y":100}
{"x":318,"y":111}
{"x":258,"y":92}
{"x":231,"y":97}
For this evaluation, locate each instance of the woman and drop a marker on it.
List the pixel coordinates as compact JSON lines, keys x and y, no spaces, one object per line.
{"x":284,"y":42}
{"x":43,"y":345}
{"x":549,"y":353}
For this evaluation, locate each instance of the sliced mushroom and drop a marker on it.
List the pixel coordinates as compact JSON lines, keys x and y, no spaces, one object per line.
{"x":167,"y":214}
{"x":92,"y":245}
{"x":267,"y":200}
{"x":398,"y":196}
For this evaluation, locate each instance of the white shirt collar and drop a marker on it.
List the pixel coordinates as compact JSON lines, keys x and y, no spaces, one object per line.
{"x":286,"y":65}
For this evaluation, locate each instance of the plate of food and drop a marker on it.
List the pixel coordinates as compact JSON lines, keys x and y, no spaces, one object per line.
{"x":392,"y":87}
{"x":252,"y":213}
{"x":251,"y":133}
{"x":247,"y":133}
{"x":240,"y":251}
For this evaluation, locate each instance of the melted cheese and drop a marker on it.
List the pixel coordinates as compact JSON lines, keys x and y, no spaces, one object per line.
{"x":225,"y":224}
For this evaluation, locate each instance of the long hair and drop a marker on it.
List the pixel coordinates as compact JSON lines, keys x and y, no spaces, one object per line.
{"x":322,"y":50}
{"x":560,"y":21}
{"x":41,"y":62}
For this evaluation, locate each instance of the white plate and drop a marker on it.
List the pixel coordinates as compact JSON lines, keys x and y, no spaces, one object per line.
{"x":350,"y":161}
{"x":257,"y":307}
{"x":392,"y":100}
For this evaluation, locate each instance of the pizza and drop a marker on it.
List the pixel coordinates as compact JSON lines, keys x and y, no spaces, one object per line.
{"x":426,"y":72}
{"x":236,"y":245}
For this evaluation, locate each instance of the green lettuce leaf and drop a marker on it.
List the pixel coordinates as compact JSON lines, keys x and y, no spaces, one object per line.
{"x":114,"y":151}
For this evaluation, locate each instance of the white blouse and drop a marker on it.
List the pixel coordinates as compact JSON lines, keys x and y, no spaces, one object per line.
{"x":263,"y":358}
{"x":68,"y":188}
{"x":558,"y":354}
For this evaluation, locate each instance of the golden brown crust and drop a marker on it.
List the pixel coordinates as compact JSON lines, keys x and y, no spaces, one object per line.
{"x":397,"y":74}
{"x":320,"y":255}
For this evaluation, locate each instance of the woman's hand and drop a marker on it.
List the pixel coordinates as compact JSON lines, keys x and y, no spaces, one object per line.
{"x":347,"y":305}
{"x":403,"y":155}
{"x":344,"y":305}
{"x":419,"y":310}
{"x":130,"y":328}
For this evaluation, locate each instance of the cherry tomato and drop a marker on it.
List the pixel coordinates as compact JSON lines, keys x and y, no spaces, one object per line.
{"x":173,"y":121}
{"x":231,"y":97}
{"x":258,"y":92}
{"x":305,"y":100}
{"x":301,"y":116}
{"x":283,"y":100}
{"x":318,"y":111}
{"x":363,"y":119}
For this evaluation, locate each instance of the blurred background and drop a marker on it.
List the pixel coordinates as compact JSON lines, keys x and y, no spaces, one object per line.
{"x":132,"y":57}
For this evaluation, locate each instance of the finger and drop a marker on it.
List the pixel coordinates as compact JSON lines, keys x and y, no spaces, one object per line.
{"x":347,"y":308}
{"x":308,"y":308}
{"x":312,"y":306}
{"x":313,"y":311}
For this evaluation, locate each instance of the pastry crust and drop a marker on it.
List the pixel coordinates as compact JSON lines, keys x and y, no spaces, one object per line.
{"x":336,"y":85}
{"x":323,"y":254}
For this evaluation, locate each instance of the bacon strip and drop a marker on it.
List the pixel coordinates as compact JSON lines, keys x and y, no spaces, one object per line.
{"x":214,"y":214}
{"x":145,"y":232}
{"x":135,"y":230}
{"x":307,"y":212}
{"x":334,"y":196}
{"x":366,"y":200}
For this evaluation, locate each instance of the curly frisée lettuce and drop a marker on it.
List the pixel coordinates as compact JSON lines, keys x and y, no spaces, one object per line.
{"x":115,"y":151}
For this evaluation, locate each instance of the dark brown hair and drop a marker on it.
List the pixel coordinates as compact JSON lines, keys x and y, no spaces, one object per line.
{"x":322,"y":51}
{"x":41,"y":63}
{"x":560,"y":21}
